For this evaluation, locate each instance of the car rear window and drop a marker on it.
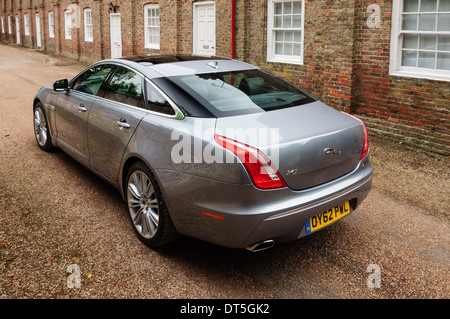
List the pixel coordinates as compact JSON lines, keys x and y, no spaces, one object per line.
{"x":241,"y":92}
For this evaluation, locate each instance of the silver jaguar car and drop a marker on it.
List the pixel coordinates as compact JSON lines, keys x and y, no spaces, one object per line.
{"x":211,"y":148}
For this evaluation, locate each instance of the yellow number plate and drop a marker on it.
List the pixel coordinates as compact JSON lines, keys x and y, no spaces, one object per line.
{"x":327,"y":217}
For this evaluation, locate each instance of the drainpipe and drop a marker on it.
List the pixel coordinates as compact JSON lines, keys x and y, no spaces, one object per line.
{"x":233,"y":28}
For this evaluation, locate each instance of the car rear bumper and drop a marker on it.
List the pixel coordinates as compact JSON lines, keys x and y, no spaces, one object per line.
{"x":239,"y":216}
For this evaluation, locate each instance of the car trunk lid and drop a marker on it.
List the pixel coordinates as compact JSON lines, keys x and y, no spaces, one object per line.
{"x":309,"y":144}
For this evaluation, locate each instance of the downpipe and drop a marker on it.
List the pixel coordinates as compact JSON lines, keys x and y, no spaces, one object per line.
{"x":262,"y":245}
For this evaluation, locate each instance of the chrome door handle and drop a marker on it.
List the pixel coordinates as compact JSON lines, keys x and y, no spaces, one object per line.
{"x":123,"y":124}
{"x":81,"y":108}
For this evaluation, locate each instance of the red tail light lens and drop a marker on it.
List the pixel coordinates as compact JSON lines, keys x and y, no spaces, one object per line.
{"x":258,"y":166}
{"x":365,"y":150}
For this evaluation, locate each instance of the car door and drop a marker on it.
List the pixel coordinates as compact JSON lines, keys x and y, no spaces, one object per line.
{"x":113,"y":119}
{"x":73,"y":108}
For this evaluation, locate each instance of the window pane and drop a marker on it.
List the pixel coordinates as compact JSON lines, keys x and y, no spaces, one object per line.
{"x":278,"y":48}
{"x":410,"y":6}
{"x":297,"y":49}
{"x":427,"y":60}
{"x":444,"y":22}
{"x":287,"y":8}
{"x":297,"y":36}
{"x":91,"y":80}
{"x":427,"y":22}
{"x":409,"y":22}
{"x":287,"y":22}
{"x":297,"y":21}
{"x":410,"y":41}
{"x":278,"y":8}
{"x":443,"y":61}
{"x":428,"y":6}
{"x":297,"y":7}
{"x":444,"y":5}
{"x":278,"y":22}
{"x":409,"y":58}
{"x":444,"y":43}
{"x":279,"y":35}
{"x":232,"y":93}
{"x":157,"y":102}
{"x":289,"y":36}
{"x":427,"y":42}
{"x":125,"y":87}
{"x":288,"y":48}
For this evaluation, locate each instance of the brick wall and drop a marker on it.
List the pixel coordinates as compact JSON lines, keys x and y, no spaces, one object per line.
{"x":409,"y":110}
{"x":346,"y":62}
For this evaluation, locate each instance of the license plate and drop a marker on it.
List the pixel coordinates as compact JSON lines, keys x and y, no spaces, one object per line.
{"x":327,"y":217}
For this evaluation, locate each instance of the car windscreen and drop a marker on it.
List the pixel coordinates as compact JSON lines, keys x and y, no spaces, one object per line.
{"x":241,"y":92}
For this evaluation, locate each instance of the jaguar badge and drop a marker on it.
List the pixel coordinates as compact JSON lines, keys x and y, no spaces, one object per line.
{"x":331,"y":151}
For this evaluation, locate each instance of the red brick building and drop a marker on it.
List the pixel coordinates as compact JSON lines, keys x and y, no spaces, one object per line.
{"x":387,"y":61}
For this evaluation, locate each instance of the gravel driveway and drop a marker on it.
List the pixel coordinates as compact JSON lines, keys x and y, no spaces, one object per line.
{"x":55,"y":214}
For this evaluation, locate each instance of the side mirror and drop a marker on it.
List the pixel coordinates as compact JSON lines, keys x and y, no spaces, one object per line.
{"x":61,"y":85}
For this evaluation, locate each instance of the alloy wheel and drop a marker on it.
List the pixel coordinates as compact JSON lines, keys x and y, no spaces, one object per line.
{"x":143,"y":204}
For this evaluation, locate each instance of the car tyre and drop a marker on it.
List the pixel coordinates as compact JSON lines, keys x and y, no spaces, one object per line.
{"x":147,"y":209}
{"x":41,"y":129}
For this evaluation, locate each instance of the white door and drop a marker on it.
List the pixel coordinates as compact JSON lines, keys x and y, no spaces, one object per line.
{"x":17,"y":30}
{"x":38,"y":31}
{"x":116,"y":36}
{"x":204,"y":28}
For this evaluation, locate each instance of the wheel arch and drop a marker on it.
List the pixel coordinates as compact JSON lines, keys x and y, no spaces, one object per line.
{"x":126,"y":168}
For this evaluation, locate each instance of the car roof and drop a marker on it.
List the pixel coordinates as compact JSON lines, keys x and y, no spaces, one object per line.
{"x":182,"y":64}
{"x":169,"y":58}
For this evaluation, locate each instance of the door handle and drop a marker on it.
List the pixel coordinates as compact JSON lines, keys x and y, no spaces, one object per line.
{"x":81,"y":108}
{"x":123,"y":124}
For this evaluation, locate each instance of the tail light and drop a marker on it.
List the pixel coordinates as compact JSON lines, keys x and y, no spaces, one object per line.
{"x":258,"y":166}
{"x":365,"y":150}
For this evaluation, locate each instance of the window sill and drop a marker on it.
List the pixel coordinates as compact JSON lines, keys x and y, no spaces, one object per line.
{"x":152,"y":47}
{"x":287,"y":60}
{"x":437,"y":76}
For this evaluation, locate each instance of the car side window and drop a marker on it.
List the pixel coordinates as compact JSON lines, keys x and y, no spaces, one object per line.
{"x":156,"y":101}
{"x":91,"y":80}
{"x":125,"y":86}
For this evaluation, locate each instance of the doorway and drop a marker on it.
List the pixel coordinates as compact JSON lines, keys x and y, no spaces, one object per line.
{"x":116,"y":36}
{"x":17,"y":30}
{"x":204,"y":28}
{"x":38,"y":31}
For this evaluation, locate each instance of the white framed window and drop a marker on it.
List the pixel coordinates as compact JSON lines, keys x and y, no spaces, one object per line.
{"x":285,"y":31}
{"x":88,"y":27}
{"x":151,"y":26}
{"x":3,"y":24}
{"x":67,"y":25}
{"x":420,"y":39}
{"x":26,"y":23}
{"x":51,"y":24}
{"x":9,"y":25}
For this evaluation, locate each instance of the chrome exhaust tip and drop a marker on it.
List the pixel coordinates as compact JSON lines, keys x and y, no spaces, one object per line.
{"x":263,"y":245}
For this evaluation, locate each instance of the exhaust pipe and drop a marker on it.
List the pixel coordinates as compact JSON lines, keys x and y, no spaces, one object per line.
{"x":262,"y":245}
